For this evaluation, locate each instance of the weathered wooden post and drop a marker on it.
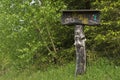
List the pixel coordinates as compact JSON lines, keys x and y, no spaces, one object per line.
{"x":80,"y":49}
{"x":79,"y":18}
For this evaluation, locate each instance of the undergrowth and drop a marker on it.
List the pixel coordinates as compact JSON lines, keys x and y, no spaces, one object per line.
{"x":101,"y":69}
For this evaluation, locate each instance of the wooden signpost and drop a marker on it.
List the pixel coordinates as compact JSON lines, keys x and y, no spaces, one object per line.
{"x":79,"y":18}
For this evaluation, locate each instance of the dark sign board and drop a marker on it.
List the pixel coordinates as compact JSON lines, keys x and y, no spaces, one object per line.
{"x":84,"y":17}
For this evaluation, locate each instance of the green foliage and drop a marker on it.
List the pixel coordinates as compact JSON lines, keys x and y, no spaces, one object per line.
{"x":101,"y":69}
{"x":31,"y":32}
{"x":32,"y":35}
{"x":106,"y":37}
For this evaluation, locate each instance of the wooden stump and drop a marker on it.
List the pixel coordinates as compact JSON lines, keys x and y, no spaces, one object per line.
{"x":80,"y":50}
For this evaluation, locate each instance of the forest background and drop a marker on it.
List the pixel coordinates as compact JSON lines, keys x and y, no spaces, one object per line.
{"x":32,"y":37}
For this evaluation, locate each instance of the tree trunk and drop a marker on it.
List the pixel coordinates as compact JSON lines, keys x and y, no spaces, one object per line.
{"x":80,"y":50}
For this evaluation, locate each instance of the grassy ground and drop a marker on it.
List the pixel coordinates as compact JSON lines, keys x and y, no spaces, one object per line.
{"x":101,"y":69}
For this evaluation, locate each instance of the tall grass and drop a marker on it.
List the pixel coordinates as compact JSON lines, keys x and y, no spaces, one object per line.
{"x":101,"y":69}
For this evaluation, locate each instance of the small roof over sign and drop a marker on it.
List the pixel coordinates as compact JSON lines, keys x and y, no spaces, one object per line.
{"x":84,"y":10}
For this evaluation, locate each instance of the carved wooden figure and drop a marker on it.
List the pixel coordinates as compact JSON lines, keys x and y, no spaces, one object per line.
{"x":80,"y":50}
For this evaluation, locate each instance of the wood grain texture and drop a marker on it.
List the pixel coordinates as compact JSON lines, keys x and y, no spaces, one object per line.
{"x":80,"y":50}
